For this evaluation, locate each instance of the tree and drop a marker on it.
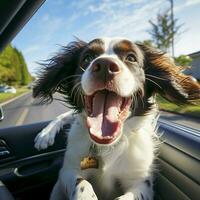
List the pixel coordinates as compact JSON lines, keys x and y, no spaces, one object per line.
{"x":148,"y":43}
{"x":183,"y":60}
{"x":7,"y":74}
{"x":25,"y":76}
{"x":164,"y":30}
{"x":13,"y":68}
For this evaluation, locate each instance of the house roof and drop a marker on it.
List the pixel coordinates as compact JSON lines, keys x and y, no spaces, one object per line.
{"x":197,"y":53}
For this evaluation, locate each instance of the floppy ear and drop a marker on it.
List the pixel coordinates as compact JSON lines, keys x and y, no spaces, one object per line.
{"x":167,"y":79}
{"x":56,"y":72}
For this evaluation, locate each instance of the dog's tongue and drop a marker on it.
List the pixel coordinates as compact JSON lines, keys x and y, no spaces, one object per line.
{"x":104,"y":120}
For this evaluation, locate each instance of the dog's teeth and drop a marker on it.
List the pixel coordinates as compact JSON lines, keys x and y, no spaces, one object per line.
{"x":108,"y":137}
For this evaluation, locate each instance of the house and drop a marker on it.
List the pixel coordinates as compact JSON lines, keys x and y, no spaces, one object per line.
{"x":195,"y":65}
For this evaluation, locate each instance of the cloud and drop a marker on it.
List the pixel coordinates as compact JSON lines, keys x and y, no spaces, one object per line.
{"x":120,"y":18}
{"x":186,"y":4}
{"x":59,"y":20}
{"x":193,"y":2}
{"x":31,"y":49}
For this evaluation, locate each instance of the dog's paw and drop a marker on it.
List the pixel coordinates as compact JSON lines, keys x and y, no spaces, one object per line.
{"x":47,"y":136}
{"x":127,"y":196}
{"x":83,"y":191}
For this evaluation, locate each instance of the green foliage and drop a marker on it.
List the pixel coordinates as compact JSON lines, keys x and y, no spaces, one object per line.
{"x":192,"y":110}
{"x":164,"y":30}
{"x":13,"y":68}
{"x":183,"y":60}
{"x":148,"y":43}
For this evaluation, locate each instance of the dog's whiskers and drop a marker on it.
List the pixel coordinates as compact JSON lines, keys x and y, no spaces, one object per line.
{"x":154,"y":82}
{"x":78,"y":94}
{"x":82,"y":68}
{"x":69,"y":77}
{"x":156,"y":77}
{"x":134,"y":102}
{"x":139,"y":94}
{"x":74,"y":89}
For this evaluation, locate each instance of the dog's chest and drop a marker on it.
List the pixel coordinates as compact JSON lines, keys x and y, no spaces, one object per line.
{"x":114,"y":169}
{"x":130,"y":157}
{"x":126,"y":160}
{"x":113,"y":163}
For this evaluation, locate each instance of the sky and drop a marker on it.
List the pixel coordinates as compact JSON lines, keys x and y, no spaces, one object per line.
{"x":58,"y":22}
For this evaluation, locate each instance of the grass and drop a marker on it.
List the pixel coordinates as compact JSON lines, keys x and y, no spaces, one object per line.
{"x":7,"y":96}
{"x":193,"y":110}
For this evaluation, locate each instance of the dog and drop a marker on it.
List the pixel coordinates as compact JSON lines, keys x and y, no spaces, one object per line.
{"x":111,"y":85}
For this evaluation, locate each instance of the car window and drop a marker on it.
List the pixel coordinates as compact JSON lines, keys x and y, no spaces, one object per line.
{"x":57,"y":23}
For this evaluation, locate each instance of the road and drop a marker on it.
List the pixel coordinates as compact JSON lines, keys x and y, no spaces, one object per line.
{"x":192,"y":122}
{"x":26,"y":110}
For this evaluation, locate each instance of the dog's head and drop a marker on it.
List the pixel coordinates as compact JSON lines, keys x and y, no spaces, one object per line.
{"x":110,"y":77}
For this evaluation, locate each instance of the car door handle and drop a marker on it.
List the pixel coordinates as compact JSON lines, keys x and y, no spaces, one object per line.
{"x":38,"y":167}
{"x":4,"y":149}
{"x":4,"y":152}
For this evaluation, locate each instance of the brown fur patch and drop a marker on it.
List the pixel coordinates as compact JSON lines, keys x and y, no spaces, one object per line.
{"x":164,"y":77}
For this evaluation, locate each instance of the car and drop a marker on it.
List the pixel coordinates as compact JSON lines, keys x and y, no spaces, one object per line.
{"x":2,"y":88}
{"x":10,"y":89}
{"x":7,"y":89}
{"x":26,"y":173}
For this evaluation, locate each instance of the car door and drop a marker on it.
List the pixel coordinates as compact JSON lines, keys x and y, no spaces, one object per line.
{"x":177,"y":174}
{"x":27,"y":172}
{"x":31,"y":174}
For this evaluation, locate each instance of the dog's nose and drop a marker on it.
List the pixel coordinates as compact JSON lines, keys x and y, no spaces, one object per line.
{"x":105,"y":66}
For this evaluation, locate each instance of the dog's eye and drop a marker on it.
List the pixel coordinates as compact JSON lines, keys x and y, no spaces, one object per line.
{"x":88,"y":58}
{"x":130,"y":57}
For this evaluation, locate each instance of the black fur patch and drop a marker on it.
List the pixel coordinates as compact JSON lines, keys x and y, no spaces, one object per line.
{"x":82,"y":189}
{"x":79,"y":180}
{"x":58,"y":75}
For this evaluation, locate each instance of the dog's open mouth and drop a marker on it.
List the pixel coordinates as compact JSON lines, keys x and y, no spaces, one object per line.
{"x":106,"y":113}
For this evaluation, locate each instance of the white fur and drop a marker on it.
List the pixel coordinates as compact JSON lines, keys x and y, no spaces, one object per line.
{"x":109,"y":42}
{"x":47,"y":136}
{"x":129,"y":161}
{"x":83,"y":191}
{"x":125,"y":84}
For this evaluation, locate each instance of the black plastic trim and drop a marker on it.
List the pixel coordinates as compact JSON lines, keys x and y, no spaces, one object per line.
{"x":17,"y":18}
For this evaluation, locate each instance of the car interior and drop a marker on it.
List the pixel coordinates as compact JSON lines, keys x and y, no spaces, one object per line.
{"x":26,"y":172}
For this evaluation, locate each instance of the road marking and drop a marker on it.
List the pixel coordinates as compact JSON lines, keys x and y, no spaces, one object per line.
{"x":24,"y":114}
{"x":11,"y":100}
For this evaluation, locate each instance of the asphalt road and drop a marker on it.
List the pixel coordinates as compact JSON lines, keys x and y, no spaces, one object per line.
{"x":26,"y":110}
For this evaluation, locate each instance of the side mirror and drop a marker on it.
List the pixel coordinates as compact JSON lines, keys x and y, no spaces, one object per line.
{"x":1,"y":113}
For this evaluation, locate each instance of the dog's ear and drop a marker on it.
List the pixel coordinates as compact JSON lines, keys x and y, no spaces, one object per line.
{"x":167,"y":79}
{"x":55,"y":71}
